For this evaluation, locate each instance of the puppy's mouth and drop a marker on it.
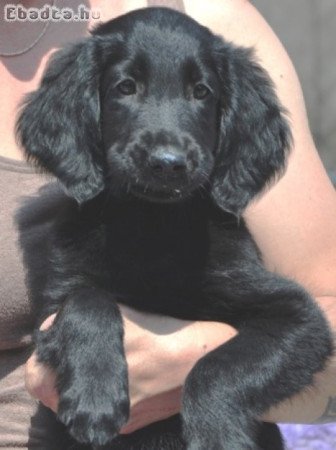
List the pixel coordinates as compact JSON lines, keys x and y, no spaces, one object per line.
{"x":161,"y":196}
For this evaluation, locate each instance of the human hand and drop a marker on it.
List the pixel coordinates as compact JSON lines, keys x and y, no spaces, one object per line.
{"x":40,"y":380}
{"x":160,"y":352}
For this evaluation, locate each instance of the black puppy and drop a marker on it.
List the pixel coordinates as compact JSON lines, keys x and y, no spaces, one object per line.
{"x":162,"y":133}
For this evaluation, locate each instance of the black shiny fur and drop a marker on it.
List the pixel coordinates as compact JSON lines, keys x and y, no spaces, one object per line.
{"x":112,"y":113}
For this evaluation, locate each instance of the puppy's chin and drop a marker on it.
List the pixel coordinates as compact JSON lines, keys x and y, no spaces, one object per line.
{"x":156,"y":196}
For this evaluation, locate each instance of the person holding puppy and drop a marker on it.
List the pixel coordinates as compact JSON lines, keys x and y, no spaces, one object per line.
{"x":276,"y":219}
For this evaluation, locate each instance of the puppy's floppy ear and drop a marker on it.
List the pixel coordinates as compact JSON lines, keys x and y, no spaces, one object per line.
{"x":59,"y":123}
{"x":254,"y":133}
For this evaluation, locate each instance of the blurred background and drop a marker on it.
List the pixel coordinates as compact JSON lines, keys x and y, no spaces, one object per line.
{"x":307,"y":28}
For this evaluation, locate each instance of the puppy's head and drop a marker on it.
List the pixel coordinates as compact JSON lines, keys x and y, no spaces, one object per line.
{"x":154,"y":105}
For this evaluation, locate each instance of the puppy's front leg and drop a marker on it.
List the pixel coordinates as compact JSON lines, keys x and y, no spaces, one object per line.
{"x":85,"y":348}
{"x":283,"y":340}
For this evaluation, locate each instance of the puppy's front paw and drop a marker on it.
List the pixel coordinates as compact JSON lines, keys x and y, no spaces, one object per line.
{"x":92,"y":387}
{"x":93,"y":415}
{"x":211,"y":413}
{"x":85,"y":348}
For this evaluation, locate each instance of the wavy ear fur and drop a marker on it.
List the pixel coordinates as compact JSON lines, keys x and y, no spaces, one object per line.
{"x":59,"y":124}
{"x":254,"y":133}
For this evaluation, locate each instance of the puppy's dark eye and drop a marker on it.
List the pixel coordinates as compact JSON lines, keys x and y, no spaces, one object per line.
{"x":127,"y":87}
{"x":201,"y":91}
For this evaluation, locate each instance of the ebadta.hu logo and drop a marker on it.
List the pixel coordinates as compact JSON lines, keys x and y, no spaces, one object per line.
{"x":51,"y":12}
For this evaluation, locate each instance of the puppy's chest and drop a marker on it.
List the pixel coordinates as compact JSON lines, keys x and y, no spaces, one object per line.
{"x":149,"y":252}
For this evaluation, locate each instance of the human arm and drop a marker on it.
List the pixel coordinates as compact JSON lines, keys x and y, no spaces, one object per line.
{"x":160,"y":353}
{"x":294,"y":222}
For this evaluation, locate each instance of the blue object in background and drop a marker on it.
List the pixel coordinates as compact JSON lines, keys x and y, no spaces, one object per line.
{"x":309,"y":437}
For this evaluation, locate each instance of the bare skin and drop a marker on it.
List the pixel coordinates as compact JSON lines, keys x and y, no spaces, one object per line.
{"x":294,"y":225}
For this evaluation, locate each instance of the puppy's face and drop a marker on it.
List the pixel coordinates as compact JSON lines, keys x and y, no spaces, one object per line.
{"x":154,"y":105}
{"x":160,"y":114}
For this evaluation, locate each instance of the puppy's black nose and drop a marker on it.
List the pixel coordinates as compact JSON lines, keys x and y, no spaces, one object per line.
{"x":168,"y":163}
